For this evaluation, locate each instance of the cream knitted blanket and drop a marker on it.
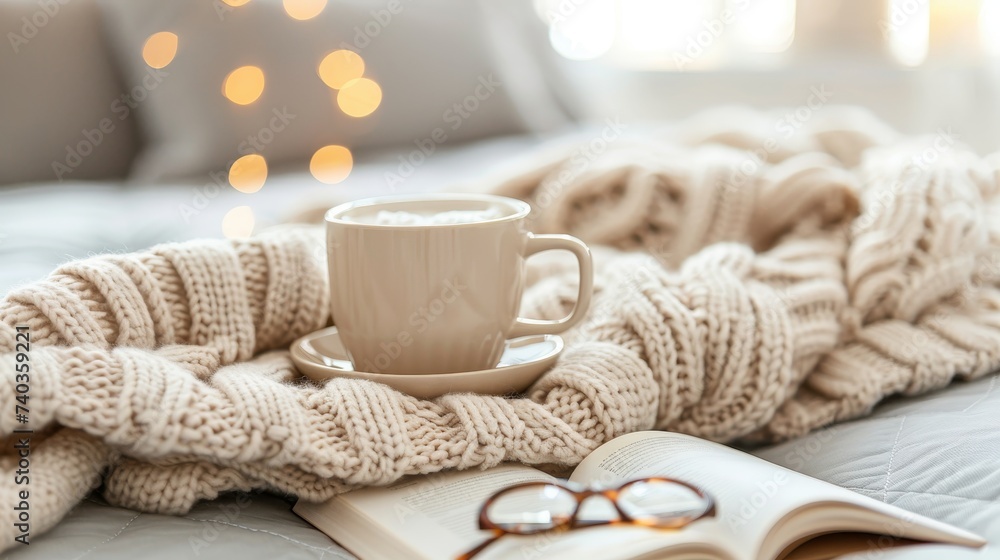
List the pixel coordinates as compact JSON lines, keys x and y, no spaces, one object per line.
{"x":758,"y":288}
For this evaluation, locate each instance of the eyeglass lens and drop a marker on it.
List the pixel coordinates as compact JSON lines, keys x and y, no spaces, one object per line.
{"x":656,"y":501}
{"x":532,"y":509}
{"x":543,"y":507}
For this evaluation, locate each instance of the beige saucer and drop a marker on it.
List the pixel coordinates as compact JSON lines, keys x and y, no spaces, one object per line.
{"x":321,"y":356}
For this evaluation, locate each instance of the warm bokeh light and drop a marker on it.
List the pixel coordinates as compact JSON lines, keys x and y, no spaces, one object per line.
{"x":989,"y":26}
{"x":953,"y":32}
{"x":244,"y":85}
{"x":248,"y":173}
{"x":331,"y":164}
{"x":359,"y":97}
{"x":340,"y":67}
{"x":235,"y":3}
{"x":238,"y":223}
{"x":909,"y":34}
{"x":303,"y":9}
{"x":160,"y":49}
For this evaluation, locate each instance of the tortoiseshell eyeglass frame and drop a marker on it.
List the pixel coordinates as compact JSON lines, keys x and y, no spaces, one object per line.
{"x":581,"y":496}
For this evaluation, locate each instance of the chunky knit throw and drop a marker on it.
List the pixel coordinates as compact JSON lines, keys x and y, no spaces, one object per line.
{"x":755,"y":287}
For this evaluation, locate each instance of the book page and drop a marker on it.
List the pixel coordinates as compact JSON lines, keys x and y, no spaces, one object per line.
{"x":760,"y":506}
{"x":437,"y":515}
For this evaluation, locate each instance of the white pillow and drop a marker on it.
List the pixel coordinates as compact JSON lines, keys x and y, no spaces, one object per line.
{"x":430,"y":57}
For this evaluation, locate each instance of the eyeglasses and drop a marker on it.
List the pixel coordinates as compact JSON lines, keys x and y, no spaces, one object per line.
{"x":538,"y":507}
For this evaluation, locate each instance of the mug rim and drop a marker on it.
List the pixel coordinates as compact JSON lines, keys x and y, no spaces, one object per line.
{"x":335,"y":215}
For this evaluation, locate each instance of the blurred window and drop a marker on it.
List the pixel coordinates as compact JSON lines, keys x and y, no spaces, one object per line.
{"x":693,"y":35}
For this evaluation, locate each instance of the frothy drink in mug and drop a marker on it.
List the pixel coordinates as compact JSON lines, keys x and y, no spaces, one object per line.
{"x":433,"y":283}
{"x":403,"y":218}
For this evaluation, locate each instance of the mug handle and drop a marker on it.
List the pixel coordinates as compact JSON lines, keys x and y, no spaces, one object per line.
{"x":539,"y":243}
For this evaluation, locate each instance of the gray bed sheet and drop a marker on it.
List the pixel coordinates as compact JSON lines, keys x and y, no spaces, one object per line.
{"x":936,"y":455}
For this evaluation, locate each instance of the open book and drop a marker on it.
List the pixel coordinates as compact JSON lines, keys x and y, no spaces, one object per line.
{"x":763,"y":511}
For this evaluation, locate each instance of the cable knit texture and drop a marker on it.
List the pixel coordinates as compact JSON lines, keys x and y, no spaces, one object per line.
{"x":742,"y":293}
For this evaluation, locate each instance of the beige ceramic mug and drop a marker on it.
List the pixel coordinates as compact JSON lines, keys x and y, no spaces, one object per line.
{"x":412,"y":297}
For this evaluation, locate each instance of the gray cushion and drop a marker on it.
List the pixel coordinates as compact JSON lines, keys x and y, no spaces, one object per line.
{"x":59,"y":81}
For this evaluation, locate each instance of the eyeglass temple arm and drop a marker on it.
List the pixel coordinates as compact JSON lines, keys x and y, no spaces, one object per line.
{"x":497,"y":533}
